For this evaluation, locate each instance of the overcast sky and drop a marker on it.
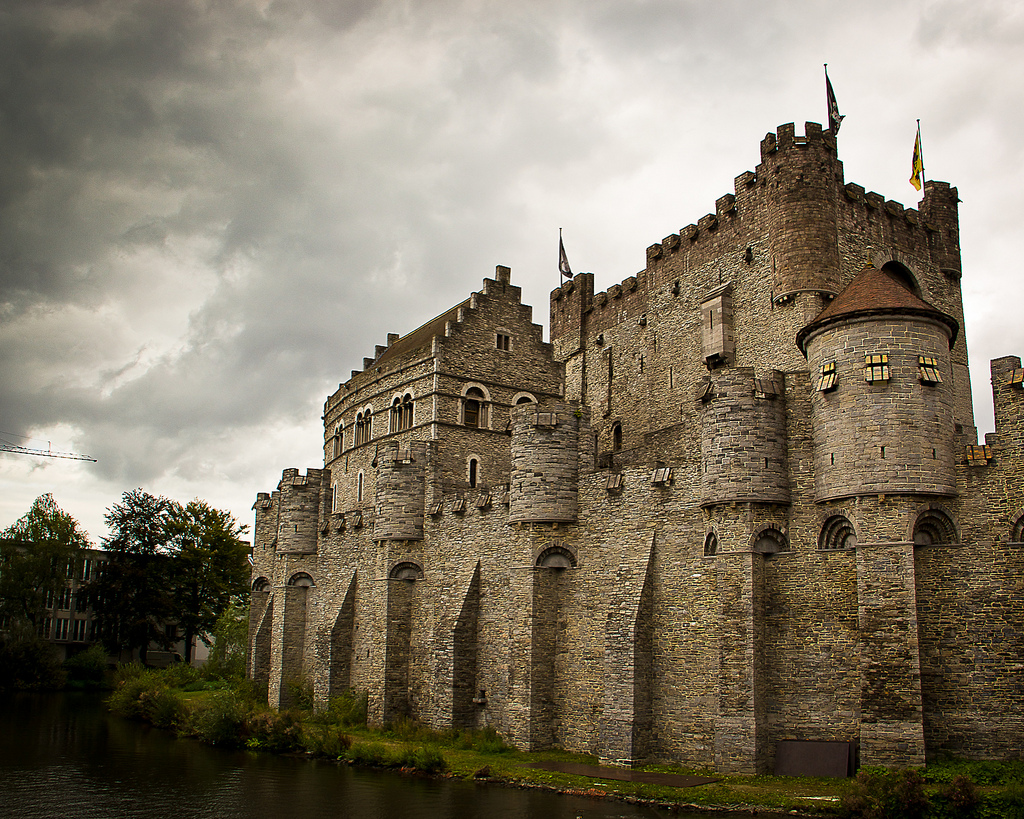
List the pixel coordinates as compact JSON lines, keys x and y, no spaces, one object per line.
{"x":211,"y":211}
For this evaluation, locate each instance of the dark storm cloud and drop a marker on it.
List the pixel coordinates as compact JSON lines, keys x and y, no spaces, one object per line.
{"x":211,"y":211}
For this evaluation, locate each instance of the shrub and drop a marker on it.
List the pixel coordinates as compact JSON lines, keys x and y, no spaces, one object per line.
{"x":368,"y":753}
{"x":348,"y":710}
{"x":329,"y":741}
{"x":299,"y":693}
{"x":87,"y":666}
{"x":221,"y":720}
{"x":886,"y":795}
{"x":429,"y":760}
{"x":275,"y":732}
{"x":30,"y":663}
{"x":180,"y":675}
{"x":132,"y":693}
{"x":162,"y":707}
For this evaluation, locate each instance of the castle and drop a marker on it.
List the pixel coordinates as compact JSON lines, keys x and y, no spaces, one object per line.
{"x":737,"y":501}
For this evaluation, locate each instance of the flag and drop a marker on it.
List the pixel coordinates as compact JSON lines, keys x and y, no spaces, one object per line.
{"x":917,"y":163}
{"x":563,"y":260}
{"x":835,"y":119}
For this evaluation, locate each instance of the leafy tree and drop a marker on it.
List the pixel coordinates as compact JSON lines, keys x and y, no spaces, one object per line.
{"x":38,"y":554}
{"x":132,"y":597}
{"x":209,"y":569}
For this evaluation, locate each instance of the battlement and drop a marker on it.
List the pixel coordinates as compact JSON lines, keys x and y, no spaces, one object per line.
{"x":786,"y":139}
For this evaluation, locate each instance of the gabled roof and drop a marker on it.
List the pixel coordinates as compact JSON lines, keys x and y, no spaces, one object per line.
{"x":421,"y":336}
{"x":875,"y":292}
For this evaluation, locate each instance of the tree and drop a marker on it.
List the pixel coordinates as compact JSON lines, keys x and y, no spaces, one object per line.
{"x":209,"y":569}
{"x":132,"y":597}
{"x":38,"y":554}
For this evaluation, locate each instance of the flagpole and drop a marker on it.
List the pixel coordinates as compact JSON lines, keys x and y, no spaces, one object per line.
{"x":921,"y":144}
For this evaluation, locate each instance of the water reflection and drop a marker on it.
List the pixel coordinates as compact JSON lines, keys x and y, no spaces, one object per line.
{"x":64,"y":756}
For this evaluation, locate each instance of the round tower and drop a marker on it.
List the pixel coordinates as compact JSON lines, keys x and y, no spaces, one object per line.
{"x":401,"y":491}
{"x":802,"y":177}
{"x":882,"y":392}
{"x":545,"y":464}
{"x":743,"y":438}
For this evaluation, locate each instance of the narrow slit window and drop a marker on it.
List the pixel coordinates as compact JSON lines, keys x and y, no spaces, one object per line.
{"x":876,"y":367}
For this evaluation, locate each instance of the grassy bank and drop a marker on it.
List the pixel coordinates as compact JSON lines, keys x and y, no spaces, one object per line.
{"x":228,"y":714}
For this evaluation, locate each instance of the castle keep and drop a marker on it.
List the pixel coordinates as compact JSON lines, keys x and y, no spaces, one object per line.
{"x":737,"y":500}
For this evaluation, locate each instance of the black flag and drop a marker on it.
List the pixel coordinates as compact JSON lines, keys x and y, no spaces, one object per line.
{"x":563,"y":260}
{"x":835,"y":119}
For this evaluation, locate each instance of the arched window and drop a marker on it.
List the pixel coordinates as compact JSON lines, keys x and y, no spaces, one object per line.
{"x":261,"y":584}
{"x":301,"y":580}
{"x":474,"y":410}
{"x":837,"y":533}
{"x":1017,"y":533}
{"x":934,"y":526}
{"x":616,"y":437}
{"x":473,"y":468}
{"x":711,"y":545}
{"x":395,"y":421}
{"x":406,"y":411}
{"x":359,"y":488}
{"x":339,"y":440}
{"x":364,"y":426}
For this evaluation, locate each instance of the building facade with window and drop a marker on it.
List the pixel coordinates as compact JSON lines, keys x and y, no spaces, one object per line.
{"x":738,"y":501}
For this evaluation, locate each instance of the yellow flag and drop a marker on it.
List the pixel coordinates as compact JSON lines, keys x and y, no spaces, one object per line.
{"x":917,"y":163}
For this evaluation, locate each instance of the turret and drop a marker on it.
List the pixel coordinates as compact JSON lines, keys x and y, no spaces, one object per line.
{"x":882,"y":392}
{"x":545,"y":463}
{"x":743,"y":438}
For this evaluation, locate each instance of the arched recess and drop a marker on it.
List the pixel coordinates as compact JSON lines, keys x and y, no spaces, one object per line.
{"x":556,"y":557}
{"x":837,"y":533}
{"x":261,"y":626}
{"x":710,"y":545}
{"x":293,"y":648}
{"x":1017,"y":531}
{"x":769,"y":541}
{"x":403,"y":579}
{"x":342,"y":644}
{"x":464,"y":658}
{"x":523,"y":398}
{"x":902,"y":274}
{"x":934,"y":526}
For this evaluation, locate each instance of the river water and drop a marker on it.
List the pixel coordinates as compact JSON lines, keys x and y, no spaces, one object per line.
{"x":62,"y":756}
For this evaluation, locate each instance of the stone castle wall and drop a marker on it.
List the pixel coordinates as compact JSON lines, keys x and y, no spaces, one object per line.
{"x":658,"y":536}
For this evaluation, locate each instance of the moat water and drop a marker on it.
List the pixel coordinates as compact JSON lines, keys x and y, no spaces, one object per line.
{"x":62,"y":756}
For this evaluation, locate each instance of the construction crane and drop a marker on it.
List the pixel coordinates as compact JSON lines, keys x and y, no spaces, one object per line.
{"x":6,"y":446}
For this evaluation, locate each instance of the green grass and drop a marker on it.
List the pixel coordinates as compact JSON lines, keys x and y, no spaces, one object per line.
{"x":226,"y":714}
